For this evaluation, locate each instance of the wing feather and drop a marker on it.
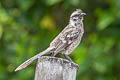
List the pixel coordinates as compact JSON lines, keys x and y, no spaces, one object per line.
{"x":65,"y":38}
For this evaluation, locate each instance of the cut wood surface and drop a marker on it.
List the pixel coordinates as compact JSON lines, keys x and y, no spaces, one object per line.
{"x":53,"y":68}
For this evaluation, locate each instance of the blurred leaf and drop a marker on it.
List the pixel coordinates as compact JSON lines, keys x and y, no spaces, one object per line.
{"x":25,"y":4}
{"x":93,"y":38}
{"x":74,"y":2}
{"x":79,"y":54}
{"x":47,"y":22}
{"x":100,"y":67}
{"x":52,"y":2}
{"x":105,"y":21}
{"x":10,"y":68}
{"x":3,"y":16}
{"x":105,"y":18}
{"x":116,"y":4}
{"x":109,"y":43}
{"x":1,"y":31}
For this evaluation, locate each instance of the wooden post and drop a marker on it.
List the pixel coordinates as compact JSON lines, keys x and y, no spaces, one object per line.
{"x":52,"y":68}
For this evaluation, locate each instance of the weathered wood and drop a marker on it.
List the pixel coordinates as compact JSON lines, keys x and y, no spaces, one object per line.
{"x":52,"y":68}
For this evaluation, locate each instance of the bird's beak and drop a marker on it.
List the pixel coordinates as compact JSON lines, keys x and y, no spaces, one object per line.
{"x":83,"y":14}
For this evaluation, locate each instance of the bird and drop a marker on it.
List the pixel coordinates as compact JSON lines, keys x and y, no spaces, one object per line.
{"x":66,"y":41}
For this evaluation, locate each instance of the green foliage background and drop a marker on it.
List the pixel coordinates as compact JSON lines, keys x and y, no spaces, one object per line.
{"x":28,"y":26}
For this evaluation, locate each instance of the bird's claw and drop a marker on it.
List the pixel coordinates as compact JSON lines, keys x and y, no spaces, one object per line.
{"x":76,"y":65}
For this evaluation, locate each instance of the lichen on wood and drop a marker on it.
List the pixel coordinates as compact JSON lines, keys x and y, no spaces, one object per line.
{"x":52,"y":68}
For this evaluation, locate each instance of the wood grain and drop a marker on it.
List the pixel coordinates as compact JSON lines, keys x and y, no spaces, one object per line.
{"x":52,"y":68}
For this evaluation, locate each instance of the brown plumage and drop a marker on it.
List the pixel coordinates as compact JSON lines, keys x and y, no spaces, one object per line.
{"x":66,"y":41}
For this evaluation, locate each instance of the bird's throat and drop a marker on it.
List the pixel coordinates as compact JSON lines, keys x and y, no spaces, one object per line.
{"x":77,"y":23}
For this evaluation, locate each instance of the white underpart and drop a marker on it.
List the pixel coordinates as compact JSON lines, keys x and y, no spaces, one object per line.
{"x":72,"y":23}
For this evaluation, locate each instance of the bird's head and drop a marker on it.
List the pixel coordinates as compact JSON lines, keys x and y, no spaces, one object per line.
{"x":77,"y":17}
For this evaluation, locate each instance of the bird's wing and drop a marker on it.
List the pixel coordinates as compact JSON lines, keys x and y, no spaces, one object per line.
{"x":65,"y":38}
{"x":72,"y":36}
{"x":66,"y":29}
{"x":53,"y":43}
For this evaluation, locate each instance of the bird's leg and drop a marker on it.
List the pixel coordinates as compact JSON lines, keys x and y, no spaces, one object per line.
{"x":66,"y":56}
{"x":52,"y":54}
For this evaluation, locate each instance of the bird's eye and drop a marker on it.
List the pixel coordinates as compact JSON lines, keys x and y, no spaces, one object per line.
{"x":74,"y":19}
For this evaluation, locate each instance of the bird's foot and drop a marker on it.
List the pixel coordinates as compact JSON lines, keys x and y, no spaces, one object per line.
{"x":76,"y":65}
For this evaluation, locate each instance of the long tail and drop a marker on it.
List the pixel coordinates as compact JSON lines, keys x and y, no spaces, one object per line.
{"x":29,"y":61}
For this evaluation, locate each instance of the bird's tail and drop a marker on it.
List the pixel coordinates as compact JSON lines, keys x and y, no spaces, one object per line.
{"x":29,"y":61}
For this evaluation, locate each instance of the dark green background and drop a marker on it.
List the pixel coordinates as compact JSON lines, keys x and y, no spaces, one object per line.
{"x":28,"y":26}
